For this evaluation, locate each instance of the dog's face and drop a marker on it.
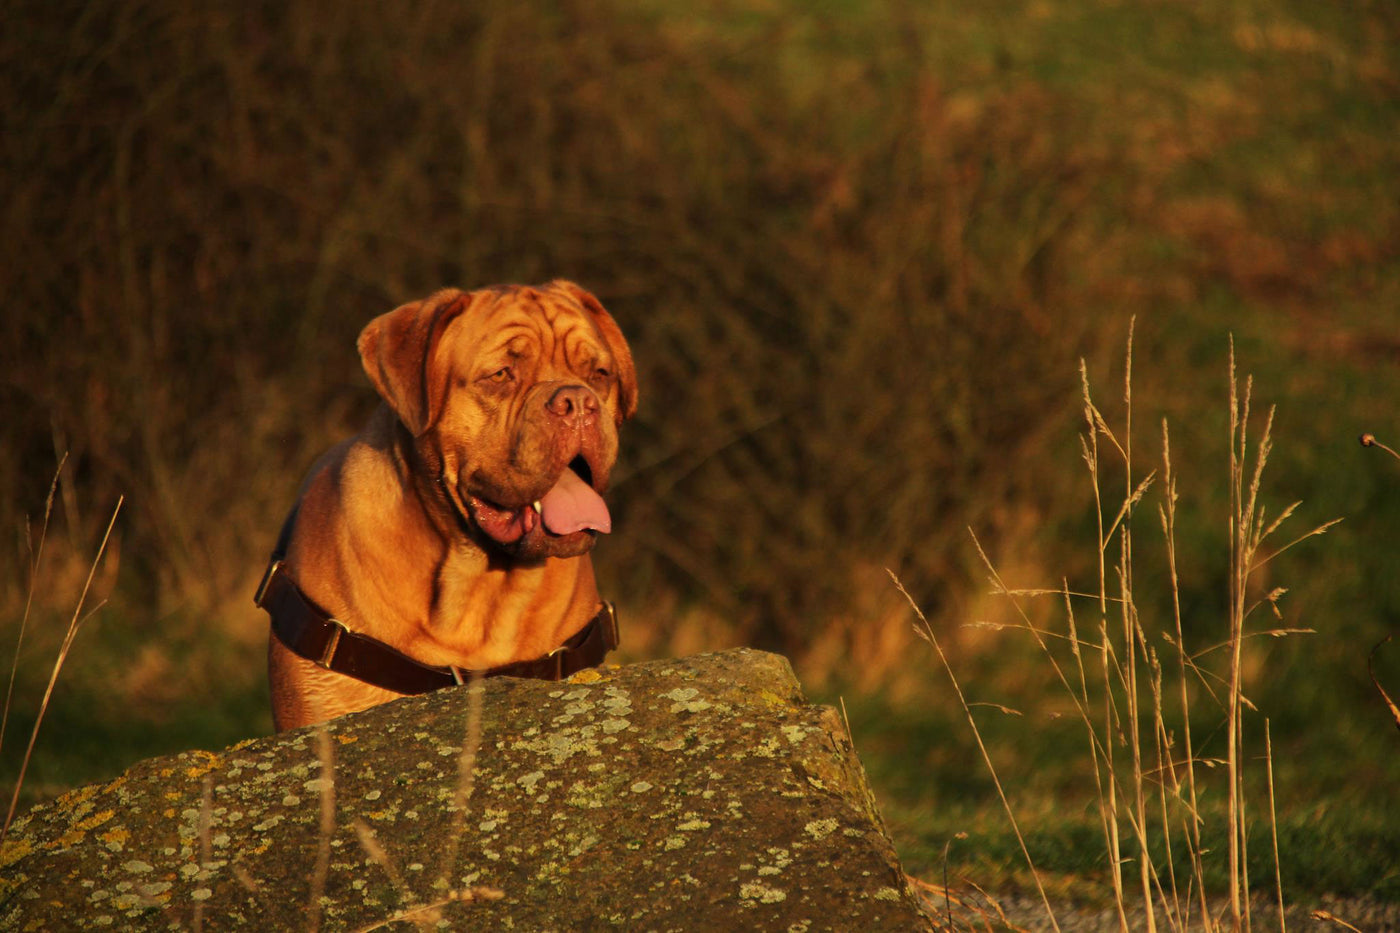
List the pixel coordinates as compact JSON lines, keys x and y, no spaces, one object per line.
{"x":514,"y":396}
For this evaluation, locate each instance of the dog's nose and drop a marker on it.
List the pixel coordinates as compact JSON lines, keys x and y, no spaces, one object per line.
{"x":572,"y":402}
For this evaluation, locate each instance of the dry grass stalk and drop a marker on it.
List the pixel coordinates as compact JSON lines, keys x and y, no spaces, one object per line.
{"x":1101,"y":751}
{"x":1375,"y":681}
{"x":1091,"y":459}
{"x":423,"y":916}
{"x":1135,"y":746}
{"x":1320,"y":914}
{"x":1191,"y":816}
{"x":1126,"y":671}
{"x":206,"y":806}
{"x":927,"y":633}
{"x":466,"y":780}
{"x":933,"y":895}
{"x":325,"y":751}
{"x":1110,"y":829}
{"x":1248,"y":532}
{"x":1237,"y":584}
{"x":1132,"y":627}
{"x":1001,"y":914}
{"x":1273,"y":827}
{"x":37,"y":556}
{"x":73,"y":625}
{"x":1108,"y":804}
{"x":1242,"y":517}
{"x":1115,"y":859}
{"x":1162,"y":745}
{"x":250,"y":884}
{"x":245,"y":878}
{"x":427,"y":915}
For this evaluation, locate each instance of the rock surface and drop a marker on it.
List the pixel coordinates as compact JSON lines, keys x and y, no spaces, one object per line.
{"x":696,"y":794}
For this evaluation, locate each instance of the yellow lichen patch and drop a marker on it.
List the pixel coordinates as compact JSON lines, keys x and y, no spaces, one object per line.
{"x":772,"y":699}
{"x":344,"y":739}
{"x":76,"y":798}
{"x":209,"y":763}
{"x":116,"y":839}
{"x":13,"y":850}
{"x":69,"y":839}
{"x":587,"y":676}
{"x":94,"y":821}
{"x":169,"y":813}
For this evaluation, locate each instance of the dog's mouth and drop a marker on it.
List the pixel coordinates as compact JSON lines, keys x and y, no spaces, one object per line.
{"x":571,"y":507}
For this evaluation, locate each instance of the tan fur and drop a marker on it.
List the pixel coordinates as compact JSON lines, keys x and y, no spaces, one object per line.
{"x":384,"y":539}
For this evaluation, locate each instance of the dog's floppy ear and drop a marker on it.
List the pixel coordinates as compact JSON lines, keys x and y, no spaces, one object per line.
{"x":612,"y":335}
{"x":397,"y":351}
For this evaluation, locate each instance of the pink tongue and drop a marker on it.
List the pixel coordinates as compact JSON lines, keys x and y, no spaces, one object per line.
{"x":572,"y":505}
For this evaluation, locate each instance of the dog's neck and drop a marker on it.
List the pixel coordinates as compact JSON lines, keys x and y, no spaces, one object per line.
{"x":465,"y":580}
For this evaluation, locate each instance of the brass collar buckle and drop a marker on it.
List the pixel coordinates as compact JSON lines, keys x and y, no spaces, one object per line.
{"x":328,"y":654}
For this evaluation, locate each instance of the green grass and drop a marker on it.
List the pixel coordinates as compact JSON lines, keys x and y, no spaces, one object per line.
{"x":118,"y":700}
{"x":1339,"y":831}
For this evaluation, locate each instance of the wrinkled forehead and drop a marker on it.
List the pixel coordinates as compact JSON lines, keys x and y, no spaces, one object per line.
{"x":528,"y":321}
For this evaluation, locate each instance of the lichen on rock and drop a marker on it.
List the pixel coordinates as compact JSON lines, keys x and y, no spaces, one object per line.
{"x":692,"y":794}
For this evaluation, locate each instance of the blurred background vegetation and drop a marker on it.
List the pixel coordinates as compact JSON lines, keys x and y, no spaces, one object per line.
{"x":859,"y":249}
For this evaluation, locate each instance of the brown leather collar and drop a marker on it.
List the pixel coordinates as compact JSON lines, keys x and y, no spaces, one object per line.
{"x":311,"y":633}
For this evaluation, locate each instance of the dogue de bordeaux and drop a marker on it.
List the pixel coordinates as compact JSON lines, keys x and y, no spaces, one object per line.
{"x":451,"y":537}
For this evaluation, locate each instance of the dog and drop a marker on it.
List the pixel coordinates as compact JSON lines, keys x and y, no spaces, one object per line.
{"x":451,"y":537}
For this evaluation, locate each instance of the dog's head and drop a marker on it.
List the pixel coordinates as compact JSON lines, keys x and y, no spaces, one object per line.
{"x":513,"y":395}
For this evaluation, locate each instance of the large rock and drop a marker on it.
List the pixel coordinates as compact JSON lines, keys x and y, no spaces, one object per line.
{"x":699,"y":794}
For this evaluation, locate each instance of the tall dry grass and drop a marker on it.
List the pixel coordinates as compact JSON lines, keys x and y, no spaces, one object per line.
{"x":74,"y":623}
{"x":1150,"y":773}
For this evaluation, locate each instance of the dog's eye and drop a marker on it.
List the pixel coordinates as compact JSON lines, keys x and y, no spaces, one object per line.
{"x":501,"y":375}
{"x":600,"y":376}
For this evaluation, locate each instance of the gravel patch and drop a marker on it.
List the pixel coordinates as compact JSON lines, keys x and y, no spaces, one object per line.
{"x":1028,"y":914}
